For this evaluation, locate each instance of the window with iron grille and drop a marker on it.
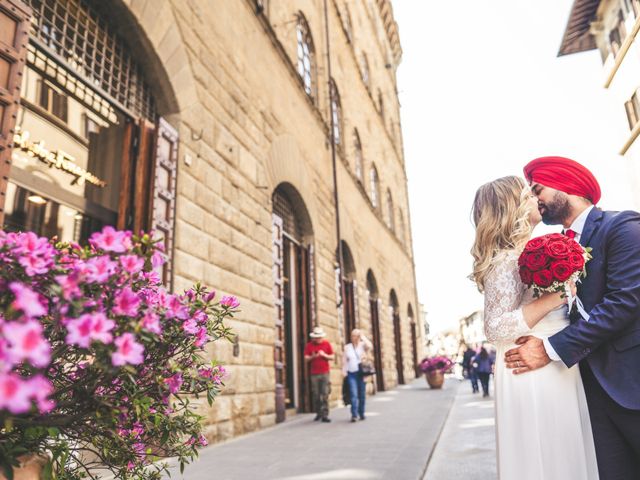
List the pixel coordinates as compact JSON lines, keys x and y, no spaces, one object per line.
{"x":306,"y":56}
{"x":283,"y":208}
{"x":336,"y":113}
{"x":78,"y":34}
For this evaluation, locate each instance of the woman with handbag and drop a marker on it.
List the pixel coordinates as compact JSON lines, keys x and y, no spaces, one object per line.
{"x":355,"y":366}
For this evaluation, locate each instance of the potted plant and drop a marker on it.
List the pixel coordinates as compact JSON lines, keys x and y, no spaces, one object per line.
{"x":434,"y":369}
{"x":99,"y":364}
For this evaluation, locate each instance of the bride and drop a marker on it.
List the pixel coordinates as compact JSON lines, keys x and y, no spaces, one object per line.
{"x":542,"y":422}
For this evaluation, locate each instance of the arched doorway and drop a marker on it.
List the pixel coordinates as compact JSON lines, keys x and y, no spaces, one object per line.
{"x":397,"y":334}
{"x":372,"y":289}
{"x":294,"y":298}
{"x":349,"y":292}
{"x":414,"y":340}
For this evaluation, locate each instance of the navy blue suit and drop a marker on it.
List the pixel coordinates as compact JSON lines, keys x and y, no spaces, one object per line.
{"x":608,"y":345}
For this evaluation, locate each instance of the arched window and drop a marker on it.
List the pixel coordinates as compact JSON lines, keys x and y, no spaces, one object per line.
{"x":364,"y":71}
{"x":336,"y":113}
{"x":380,"y":104}
{"x":375,"y":187}
{"x":306,"y":56}
{"x":357,"y":145}
{"x":390,"y":213}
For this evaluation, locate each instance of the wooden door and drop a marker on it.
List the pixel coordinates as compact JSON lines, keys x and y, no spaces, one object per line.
{"x":377,"y":345}
{"x":398,"y":344}
{"x":14,"y":36}
{"x":414,"y":349}
{"x":348,"y":299}
{"x":303,"y":327}
{"x":277,"y":229}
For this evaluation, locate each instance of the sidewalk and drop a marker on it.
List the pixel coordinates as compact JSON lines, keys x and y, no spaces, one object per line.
{"x":466,"y":449}
{"x":394,"y":442}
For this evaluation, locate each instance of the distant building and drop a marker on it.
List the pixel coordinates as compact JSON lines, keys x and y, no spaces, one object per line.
{"x":611,"y":27}
{"x":472,"y":328}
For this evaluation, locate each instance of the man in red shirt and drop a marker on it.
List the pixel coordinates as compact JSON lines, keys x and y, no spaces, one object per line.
{"x":318,"y":353}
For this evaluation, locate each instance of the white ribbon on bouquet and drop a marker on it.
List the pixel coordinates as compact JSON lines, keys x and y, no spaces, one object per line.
{"x":571,"y":299}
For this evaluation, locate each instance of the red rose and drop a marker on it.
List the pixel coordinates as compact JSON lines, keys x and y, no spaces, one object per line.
{"x":558,"y":248}
{"x":535,"y":260}
{"x":576,"y":247}
{"x":526,"y":276}
{"x":535,"y":244}
{"x":576,"y":260}
{"x":543,"y":278}
{"x":562,"y":270}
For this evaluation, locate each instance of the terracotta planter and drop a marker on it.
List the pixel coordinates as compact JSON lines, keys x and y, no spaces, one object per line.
{"x":30,"y":468}
{"x":435,"y":379}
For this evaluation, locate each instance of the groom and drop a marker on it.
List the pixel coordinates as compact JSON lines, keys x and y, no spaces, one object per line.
{"x":607,"y":346}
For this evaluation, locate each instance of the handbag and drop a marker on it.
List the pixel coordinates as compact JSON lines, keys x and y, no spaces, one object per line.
{"x":365,"y":368}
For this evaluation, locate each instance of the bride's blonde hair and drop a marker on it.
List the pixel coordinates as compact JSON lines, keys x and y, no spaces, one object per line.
{"x":501,"y":216}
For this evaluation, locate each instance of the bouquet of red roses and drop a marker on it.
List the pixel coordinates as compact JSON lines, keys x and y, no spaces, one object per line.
{"x":548,"y":263}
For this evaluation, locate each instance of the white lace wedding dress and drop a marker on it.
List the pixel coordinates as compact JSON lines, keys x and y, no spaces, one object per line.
{"x":542,"y":423}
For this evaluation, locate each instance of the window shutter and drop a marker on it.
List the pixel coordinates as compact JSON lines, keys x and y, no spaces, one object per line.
{"x":164,"y":190}
{"x":278,"y":349}
{"x":14,"y":36}
{"x":312,"y":285}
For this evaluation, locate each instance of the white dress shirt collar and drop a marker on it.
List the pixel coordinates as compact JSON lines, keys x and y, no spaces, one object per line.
{"x":578,"y":224}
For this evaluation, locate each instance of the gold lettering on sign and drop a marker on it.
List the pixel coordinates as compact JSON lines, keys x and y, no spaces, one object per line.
{"x":55,"y":159}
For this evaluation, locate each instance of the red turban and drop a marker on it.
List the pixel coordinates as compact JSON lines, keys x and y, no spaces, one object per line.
{"x":565,"y":175}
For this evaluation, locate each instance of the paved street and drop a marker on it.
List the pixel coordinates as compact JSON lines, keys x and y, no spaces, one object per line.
{"x":394,"y":442}
{"x":466,"y":448}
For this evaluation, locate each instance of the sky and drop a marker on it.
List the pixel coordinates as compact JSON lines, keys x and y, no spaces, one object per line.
{"x":482,"y":92}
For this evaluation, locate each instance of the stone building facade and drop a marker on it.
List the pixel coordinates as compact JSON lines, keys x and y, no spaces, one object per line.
{"x":223,"y":137}
{"x":611,"y":27}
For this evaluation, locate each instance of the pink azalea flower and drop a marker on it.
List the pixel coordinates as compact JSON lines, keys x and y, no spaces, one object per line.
{"x":190,"y":326}
{"x":151,"y":323}
{"x":90,"y":326}
{"x":41,"y":390}
{"x":128,"y":351}
{"x":111,"y":240}
{"x":202,"y":337}
{"x":27,"y":343}
{"x":15,"y":393}
{"x":152,"y":277}
{"x":70,"y":286}
{"x":132,"y":263}
{"x":27,"y":300}
{"x":174,"y":383}
{"x":99,"y":269}
{"x":34,"y":264}
{"x":126,"y":303}
{"x":209,"y":296}
{"x":229,"y":301}
{"x":157,"y":259}
{"x":175,"y":308}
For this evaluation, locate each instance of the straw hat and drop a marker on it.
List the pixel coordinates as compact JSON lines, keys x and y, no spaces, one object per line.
{"x":317,"y":333}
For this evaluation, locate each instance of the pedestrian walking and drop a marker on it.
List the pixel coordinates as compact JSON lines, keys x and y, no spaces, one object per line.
{"x":483,"y":365}
{"x":354,"y":354}
{"x":318,"y":353}
{"x":468,"y":370}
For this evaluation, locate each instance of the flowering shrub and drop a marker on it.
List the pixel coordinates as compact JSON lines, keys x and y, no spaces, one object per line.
{"x":435,"y":364}
{"x":99,"y":364}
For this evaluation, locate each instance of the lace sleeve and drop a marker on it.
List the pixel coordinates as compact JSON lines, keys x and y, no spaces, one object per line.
{"x":503,"y":319}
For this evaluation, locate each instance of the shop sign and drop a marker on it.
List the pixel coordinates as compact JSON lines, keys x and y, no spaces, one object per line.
{"x":55,"y":159}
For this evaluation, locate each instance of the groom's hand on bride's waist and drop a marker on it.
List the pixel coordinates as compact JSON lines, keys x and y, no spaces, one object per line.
{"x":530,"y":355}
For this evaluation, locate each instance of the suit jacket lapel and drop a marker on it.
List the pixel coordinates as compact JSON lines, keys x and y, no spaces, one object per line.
{"x":590,"y":226}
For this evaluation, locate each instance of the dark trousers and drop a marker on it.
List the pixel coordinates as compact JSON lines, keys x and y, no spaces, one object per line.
{"x":357,"y":389}
{"x":484,"y":380}
{"x":320,"y":390}
{"x":616,"y":431}
{"x":473,"y":376}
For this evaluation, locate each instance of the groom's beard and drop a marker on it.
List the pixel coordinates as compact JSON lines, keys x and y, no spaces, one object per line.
{"x":557,"y":210}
